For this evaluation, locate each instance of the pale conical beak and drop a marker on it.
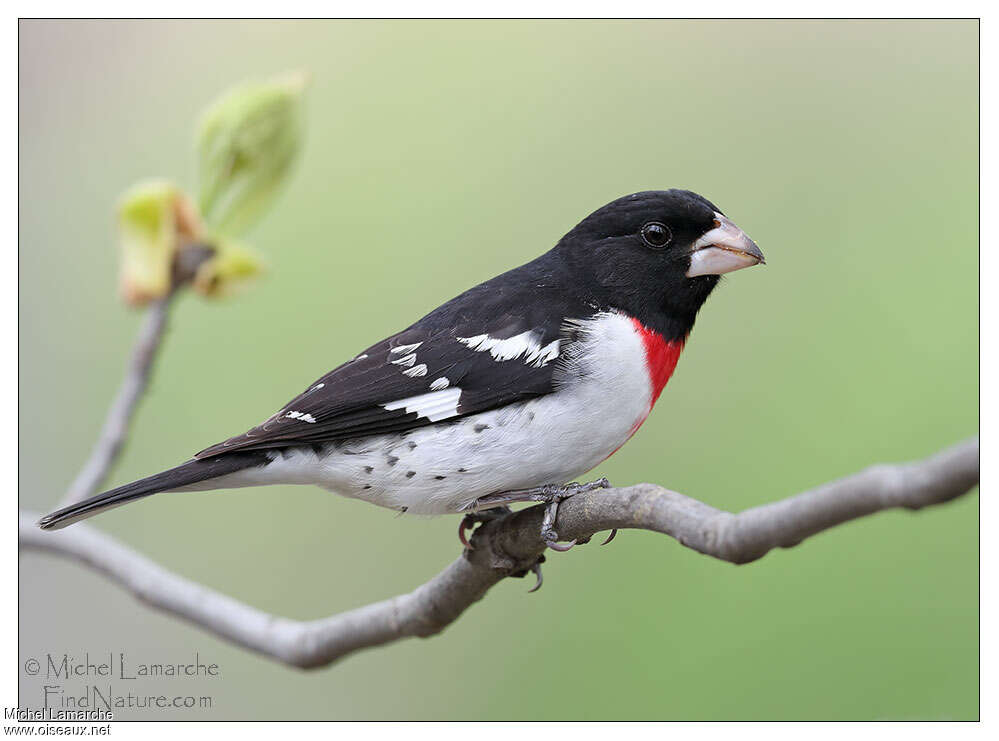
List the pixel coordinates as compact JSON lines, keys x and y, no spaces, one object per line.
{"x":722,"y":250}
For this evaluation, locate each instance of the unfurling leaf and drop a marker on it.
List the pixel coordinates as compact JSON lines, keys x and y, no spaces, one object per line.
{"x":247,"y":142}
{"x":154,"y":219}
{"x":227,"y":270}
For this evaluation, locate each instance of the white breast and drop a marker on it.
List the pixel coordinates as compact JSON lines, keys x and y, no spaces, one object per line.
{"x":603,"y":394}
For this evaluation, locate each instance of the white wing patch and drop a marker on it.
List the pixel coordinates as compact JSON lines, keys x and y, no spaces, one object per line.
{"x":544,"y":355}
{"x":525,"y":344}
{"x":440,"y":384}
{"x":435,"y":406}
{"x":301,"y":416}
{"x":405,"y":348}
{"x":406,"y":361}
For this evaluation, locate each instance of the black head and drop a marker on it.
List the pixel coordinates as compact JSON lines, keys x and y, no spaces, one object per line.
{"x":655,"y":255}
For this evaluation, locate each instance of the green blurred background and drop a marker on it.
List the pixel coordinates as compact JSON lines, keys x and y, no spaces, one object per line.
{"x":438,"y":154}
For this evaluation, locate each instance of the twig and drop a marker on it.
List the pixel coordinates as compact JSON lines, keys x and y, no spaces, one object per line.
{"x":512,"y":544}
{"x":119,"y":417}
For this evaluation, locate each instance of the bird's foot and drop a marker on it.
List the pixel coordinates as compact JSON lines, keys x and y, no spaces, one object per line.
{"x":471,"y":519}
{"x":494,"y":506}
{"x":474,"y":518}
{"x":551,"y":495}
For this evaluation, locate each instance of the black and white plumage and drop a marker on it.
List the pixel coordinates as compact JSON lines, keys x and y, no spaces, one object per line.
{"x":529,"y":379}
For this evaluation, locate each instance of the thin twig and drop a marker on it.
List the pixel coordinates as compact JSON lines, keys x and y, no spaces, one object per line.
{"x":116,"y":425}
{"x":512,"y":544}
{"x":114,"y":434}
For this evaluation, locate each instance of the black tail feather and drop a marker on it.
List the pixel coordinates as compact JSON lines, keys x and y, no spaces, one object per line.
{"x":192,"y":472}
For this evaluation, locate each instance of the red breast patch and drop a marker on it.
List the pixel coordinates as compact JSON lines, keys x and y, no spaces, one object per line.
{"x":660,"y":358}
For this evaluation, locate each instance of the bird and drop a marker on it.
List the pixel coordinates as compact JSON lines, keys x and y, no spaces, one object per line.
{"x":503,"y":394}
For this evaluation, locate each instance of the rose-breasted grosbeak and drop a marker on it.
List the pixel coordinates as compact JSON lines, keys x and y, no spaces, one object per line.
{"x":502,"y":394}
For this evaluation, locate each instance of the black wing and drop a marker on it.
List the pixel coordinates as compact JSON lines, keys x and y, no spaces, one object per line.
{"x":493,"y":345}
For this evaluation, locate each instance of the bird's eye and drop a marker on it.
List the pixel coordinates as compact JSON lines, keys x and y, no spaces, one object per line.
{"x":656,"y":235}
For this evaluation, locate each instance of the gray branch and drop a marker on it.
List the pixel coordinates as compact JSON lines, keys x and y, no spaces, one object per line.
{"x":119,"y":418}
{"x":512,"y":544}
{"x":116,"y":424}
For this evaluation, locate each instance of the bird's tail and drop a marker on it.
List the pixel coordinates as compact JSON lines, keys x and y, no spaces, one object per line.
{"x":186,"y":474}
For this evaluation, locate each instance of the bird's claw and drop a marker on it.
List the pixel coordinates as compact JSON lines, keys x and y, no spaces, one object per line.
{"x":465,"y":524}
{"x":560,"y":547}
{"x":471,"y":519}
{"x":610,"y":537}
{"x":536,"y":568}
